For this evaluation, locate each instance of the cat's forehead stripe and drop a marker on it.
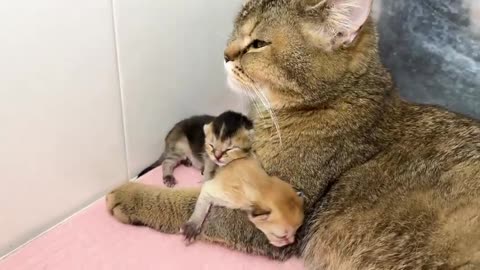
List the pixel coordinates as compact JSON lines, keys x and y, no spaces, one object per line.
{"x":247,"y":27}
{"x":222,"y":131}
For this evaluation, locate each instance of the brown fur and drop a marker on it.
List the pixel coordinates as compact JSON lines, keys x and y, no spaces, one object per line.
{"x":273,"y":205}
{"x":389,"y":184}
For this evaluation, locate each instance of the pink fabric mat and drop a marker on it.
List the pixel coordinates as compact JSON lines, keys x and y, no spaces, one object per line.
{"x":93,"y":240}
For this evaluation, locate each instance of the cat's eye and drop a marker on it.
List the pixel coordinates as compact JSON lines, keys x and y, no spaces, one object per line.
{"x":257,"y":44}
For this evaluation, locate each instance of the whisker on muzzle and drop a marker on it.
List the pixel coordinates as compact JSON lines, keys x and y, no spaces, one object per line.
{"x":266,"y":103}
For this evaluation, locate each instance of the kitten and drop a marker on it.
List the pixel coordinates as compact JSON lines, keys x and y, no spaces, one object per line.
{"x":273,"y":206}
{"x":186,"y":144}
{"x":183,"y":145}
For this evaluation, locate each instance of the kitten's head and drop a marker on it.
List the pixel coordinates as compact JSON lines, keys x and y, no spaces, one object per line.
{"x":228,"y":137}
{"x":299,"y":51}
{"x":279,"y":213}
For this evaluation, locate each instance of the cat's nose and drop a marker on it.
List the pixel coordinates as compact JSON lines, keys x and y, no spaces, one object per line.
{"x":231,"y":52}
{"x":227,"y":59}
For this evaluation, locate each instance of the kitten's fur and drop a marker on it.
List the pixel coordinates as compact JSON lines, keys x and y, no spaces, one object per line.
{"x":191,"y":140}
{"x":184,"y":144}
{"x":272,"y":204}
{"x":389,"y":184}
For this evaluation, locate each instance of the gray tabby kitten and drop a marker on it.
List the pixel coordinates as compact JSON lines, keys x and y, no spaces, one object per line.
{"x":187,"y":144}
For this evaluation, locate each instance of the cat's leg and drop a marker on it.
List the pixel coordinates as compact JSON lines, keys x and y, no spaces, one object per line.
{"x":168,"y":209}
{"x":193,"y":227}
{"x":208,"y":169}
{"x":172,"y":159}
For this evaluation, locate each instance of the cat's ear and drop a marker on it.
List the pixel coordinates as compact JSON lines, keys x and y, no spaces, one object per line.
{"x":336,"y":22}
{"x":257,"y":213}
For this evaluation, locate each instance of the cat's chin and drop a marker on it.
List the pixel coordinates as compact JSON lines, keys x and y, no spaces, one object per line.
{"x":235,"y":86}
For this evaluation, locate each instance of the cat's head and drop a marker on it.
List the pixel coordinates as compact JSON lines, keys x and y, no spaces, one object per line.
{"x":299,"y":51}
{"x":228,"y":137}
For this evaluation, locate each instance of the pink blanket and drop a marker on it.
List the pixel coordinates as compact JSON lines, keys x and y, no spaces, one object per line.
{"x":93,"y":240}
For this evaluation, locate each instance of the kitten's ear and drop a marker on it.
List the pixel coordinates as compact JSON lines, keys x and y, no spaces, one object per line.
{"x":207,"y":128}
{"x":337,"y":22}
{"x":251,"y":133}
{"x":257,"y":213}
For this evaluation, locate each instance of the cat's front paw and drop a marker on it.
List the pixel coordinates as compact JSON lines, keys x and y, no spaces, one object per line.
{"x":190,"y":231}
{"x":169,"y":180}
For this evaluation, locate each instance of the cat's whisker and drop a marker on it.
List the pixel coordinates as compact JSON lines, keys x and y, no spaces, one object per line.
{"x":252,"y":100}
{"x":268,"y":107}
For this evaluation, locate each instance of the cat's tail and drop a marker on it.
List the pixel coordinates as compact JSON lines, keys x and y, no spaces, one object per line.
{"x":153,"y":166}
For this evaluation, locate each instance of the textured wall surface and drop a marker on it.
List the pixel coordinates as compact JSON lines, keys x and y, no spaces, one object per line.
{"x":432,"y":48}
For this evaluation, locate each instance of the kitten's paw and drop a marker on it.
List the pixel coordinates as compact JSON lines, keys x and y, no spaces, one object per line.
{"x":190,"y":231}
{"x":169,"y":180}
{"x":186,"y":162}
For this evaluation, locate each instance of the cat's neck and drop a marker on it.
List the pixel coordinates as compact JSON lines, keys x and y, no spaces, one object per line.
{"x":366,"y":102}
{"x":368,"y":90}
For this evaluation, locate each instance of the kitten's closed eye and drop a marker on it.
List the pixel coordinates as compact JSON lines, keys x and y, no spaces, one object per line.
{"x":232,"y":148}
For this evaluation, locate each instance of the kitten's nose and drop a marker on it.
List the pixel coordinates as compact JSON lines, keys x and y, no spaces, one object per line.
{"x":218,"y":154}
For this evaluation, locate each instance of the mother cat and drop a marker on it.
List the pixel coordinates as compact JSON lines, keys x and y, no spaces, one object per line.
{"x":389,"y":184}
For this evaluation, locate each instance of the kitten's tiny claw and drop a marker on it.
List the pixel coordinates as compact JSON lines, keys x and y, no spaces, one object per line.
{"x":190,"y":231}
{"x":169,"y":180}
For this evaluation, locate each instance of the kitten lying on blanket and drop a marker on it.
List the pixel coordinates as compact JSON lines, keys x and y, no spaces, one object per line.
{"x":228,"y":138}
{"x":273,"y":206}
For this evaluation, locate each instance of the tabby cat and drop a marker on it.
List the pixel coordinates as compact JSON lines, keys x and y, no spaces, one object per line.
{"x":388,"y":184}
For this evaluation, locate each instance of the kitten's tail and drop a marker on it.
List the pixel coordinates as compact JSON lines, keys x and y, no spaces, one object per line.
{"x":153,"y":166}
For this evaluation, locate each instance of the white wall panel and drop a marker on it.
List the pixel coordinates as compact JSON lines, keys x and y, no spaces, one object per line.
{"x":61,"y":135}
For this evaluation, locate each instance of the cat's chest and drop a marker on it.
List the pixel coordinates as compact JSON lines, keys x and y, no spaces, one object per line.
{"x":273,"y":155}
